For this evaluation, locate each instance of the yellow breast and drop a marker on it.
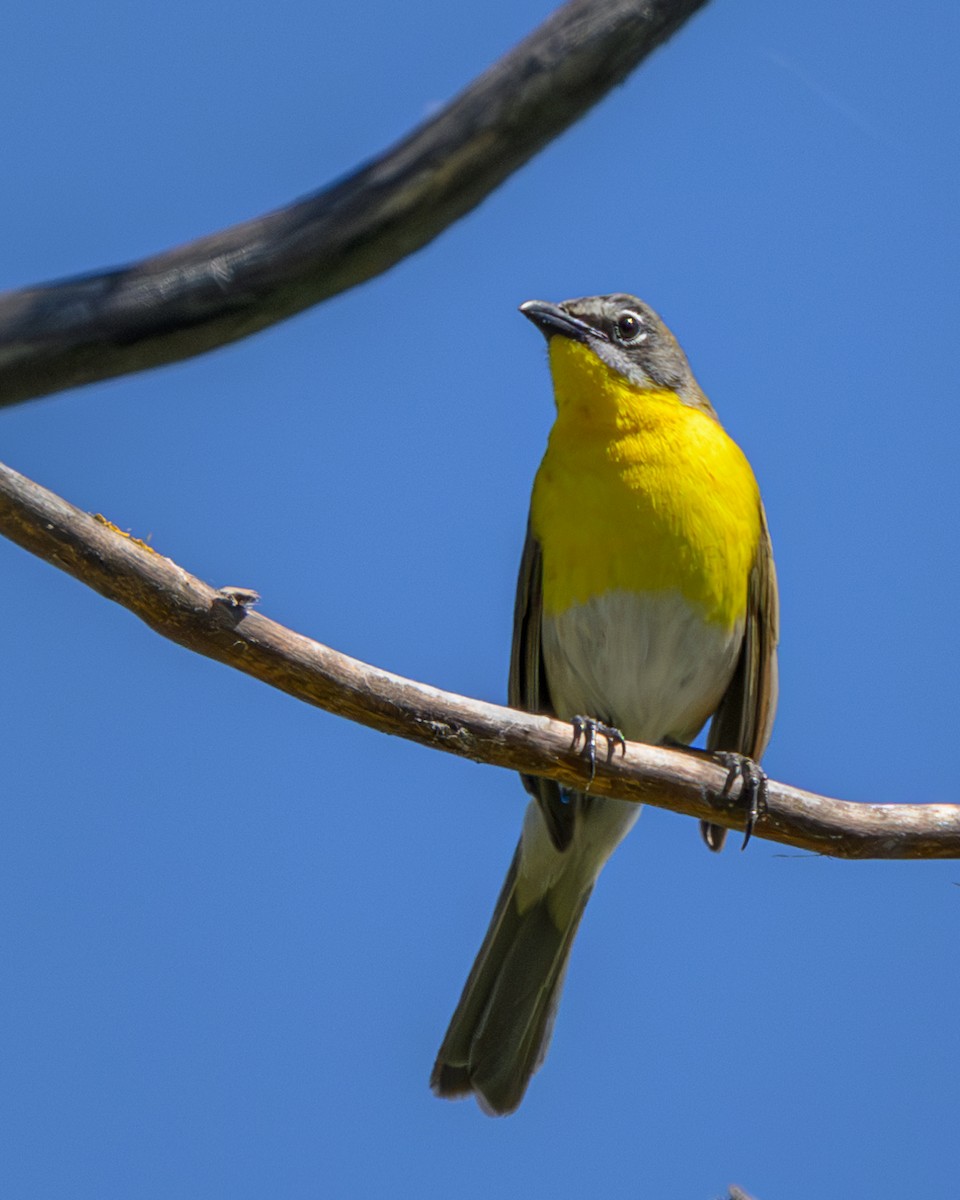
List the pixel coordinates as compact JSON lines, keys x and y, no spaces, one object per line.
{"x":640,"y":491}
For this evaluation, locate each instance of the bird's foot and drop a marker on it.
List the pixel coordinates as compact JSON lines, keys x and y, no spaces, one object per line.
{"x":753,"y":786}
{"x":585,"y":730}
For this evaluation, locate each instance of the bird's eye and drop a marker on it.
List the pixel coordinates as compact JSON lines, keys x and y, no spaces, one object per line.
{"x":629,"y":328}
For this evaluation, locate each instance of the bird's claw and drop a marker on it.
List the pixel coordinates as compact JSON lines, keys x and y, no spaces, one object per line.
{"x":585,"y":730}
{"x":753,"y":786}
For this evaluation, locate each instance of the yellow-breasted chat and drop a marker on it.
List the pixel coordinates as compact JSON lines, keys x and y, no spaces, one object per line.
{"x":646,"y":605}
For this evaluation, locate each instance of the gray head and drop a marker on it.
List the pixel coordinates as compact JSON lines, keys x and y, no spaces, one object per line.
{"x":624,"y":333}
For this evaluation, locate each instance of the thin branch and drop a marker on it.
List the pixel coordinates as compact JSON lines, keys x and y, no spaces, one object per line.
{"x":233,"y":283}
{"x":210,"y":622}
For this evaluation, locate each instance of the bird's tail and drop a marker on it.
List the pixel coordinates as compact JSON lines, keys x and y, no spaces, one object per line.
{"x":500,"y":1031}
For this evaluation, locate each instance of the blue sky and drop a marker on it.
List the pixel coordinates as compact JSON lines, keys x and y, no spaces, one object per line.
{"x":233,"y":928}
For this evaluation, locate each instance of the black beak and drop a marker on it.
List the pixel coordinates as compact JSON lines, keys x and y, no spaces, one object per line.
{"x":551,"y":319}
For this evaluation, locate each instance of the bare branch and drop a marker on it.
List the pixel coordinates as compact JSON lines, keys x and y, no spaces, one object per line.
{"x":188,"y":611}
{"x":231,"y":284}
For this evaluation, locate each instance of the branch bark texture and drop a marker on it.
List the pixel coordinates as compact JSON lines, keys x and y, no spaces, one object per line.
{"x":185,"y":609}
{"x":233,"y":283}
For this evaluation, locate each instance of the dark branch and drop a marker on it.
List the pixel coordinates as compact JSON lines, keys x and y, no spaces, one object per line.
{"x":188,"y":611}
{"x":234,"y":283}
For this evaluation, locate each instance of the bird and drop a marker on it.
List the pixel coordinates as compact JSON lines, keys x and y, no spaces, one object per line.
{"x":646,"y":605}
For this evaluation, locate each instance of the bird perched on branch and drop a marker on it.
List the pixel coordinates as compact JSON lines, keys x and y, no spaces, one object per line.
{"x":646,"y":605}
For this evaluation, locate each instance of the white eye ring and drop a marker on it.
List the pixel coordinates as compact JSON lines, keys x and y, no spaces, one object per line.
{"x":629,"y":328}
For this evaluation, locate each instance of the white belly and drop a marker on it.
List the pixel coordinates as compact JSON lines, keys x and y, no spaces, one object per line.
{"x":650,"y":665}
